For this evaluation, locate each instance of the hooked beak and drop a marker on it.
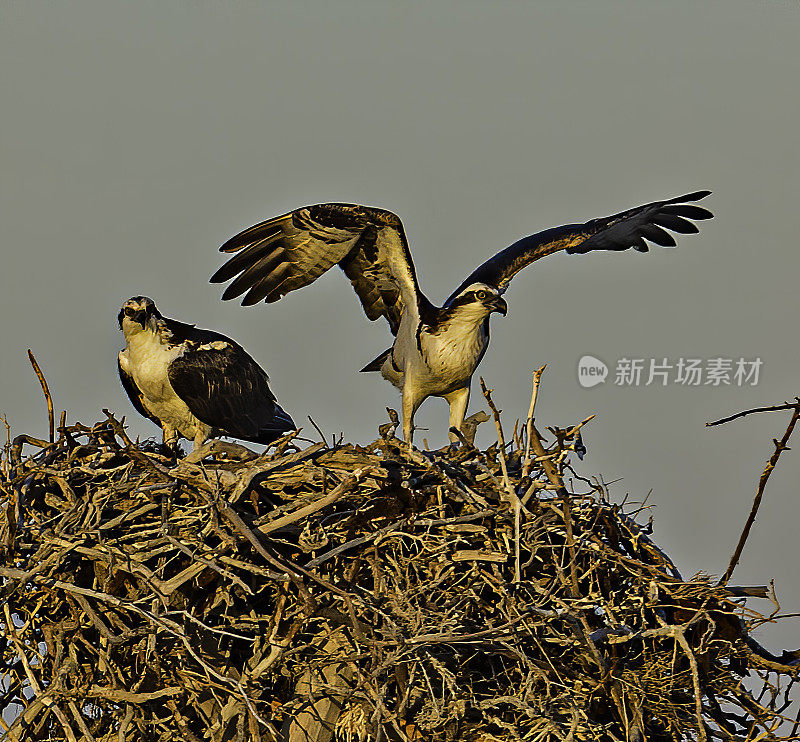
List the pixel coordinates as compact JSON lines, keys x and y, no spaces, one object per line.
{"x":500,"y":306}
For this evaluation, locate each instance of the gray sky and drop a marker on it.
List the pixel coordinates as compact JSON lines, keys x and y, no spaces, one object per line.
{"x":137,"y":137}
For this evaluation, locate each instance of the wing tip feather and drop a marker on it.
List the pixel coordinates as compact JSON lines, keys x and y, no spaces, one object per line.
{"x":693,"y":196}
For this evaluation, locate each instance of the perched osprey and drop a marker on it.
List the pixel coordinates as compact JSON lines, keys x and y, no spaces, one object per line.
{"x":436,"y":349}
{"x":194,"y":383}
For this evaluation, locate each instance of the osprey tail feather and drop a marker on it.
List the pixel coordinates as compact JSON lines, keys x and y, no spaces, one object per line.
{"x":377,"y":363}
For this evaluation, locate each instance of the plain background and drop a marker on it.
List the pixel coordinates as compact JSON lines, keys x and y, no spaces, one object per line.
{"x":137,"y":137}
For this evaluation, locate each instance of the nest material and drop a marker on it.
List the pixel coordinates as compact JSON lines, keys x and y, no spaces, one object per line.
{"x":359,"y":594}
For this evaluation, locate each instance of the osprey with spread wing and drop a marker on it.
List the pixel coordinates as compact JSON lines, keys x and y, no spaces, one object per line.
{"x":436,"y":349}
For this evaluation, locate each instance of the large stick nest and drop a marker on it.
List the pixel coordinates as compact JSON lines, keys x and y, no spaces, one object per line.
{"x":350,"y":593}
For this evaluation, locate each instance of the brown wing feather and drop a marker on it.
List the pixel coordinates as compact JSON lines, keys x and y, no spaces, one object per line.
{"x":293,"y":250}
{"x":623,"y":231}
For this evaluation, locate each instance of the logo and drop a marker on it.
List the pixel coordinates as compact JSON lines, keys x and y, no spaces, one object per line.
{"x":591,"y":371}
{"x":699,"y":372}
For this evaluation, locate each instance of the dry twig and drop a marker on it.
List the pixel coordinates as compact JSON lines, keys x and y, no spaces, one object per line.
{"x":46,"y":390}
{"x":780,"y":446}
{"x":356,"y":593}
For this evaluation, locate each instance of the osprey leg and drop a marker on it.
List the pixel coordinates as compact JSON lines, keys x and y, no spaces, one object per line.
{"x":411,"y":404}
{"x":170,"y":439}
{"x":458,"y":401}
{"x":170,"y":436}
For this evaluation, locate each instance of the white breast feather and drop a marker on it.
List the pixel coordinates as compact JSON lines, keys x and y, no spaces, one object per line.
{"x":146,"y":360}
{"x":452,"y":355}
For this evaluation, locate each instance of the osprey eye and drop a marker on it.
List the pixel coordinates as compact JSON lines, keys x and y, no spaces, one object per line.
{"x":482,"y":295}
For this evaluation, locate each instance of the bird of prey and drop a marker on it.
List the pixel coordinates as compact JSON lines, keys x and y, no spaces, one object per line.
{"x":436,"y":349}
{"x":194,"y":383}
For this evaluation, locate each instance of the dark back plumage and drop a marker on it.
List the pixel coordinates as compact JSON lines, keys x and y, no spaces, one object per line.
{"x":223,"y":386}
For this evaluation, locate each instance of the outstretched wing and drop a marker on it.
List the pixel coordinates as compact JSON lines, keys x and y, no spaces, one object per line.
{"x":225,"y":388}
{"x":628,"y":229}
{"x":291,"y":251}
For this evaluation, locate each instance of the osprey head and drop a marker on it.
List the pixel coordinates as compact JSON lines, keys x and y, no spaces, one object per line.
{"x":136,"y":314}
{"x":480,"y":299}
